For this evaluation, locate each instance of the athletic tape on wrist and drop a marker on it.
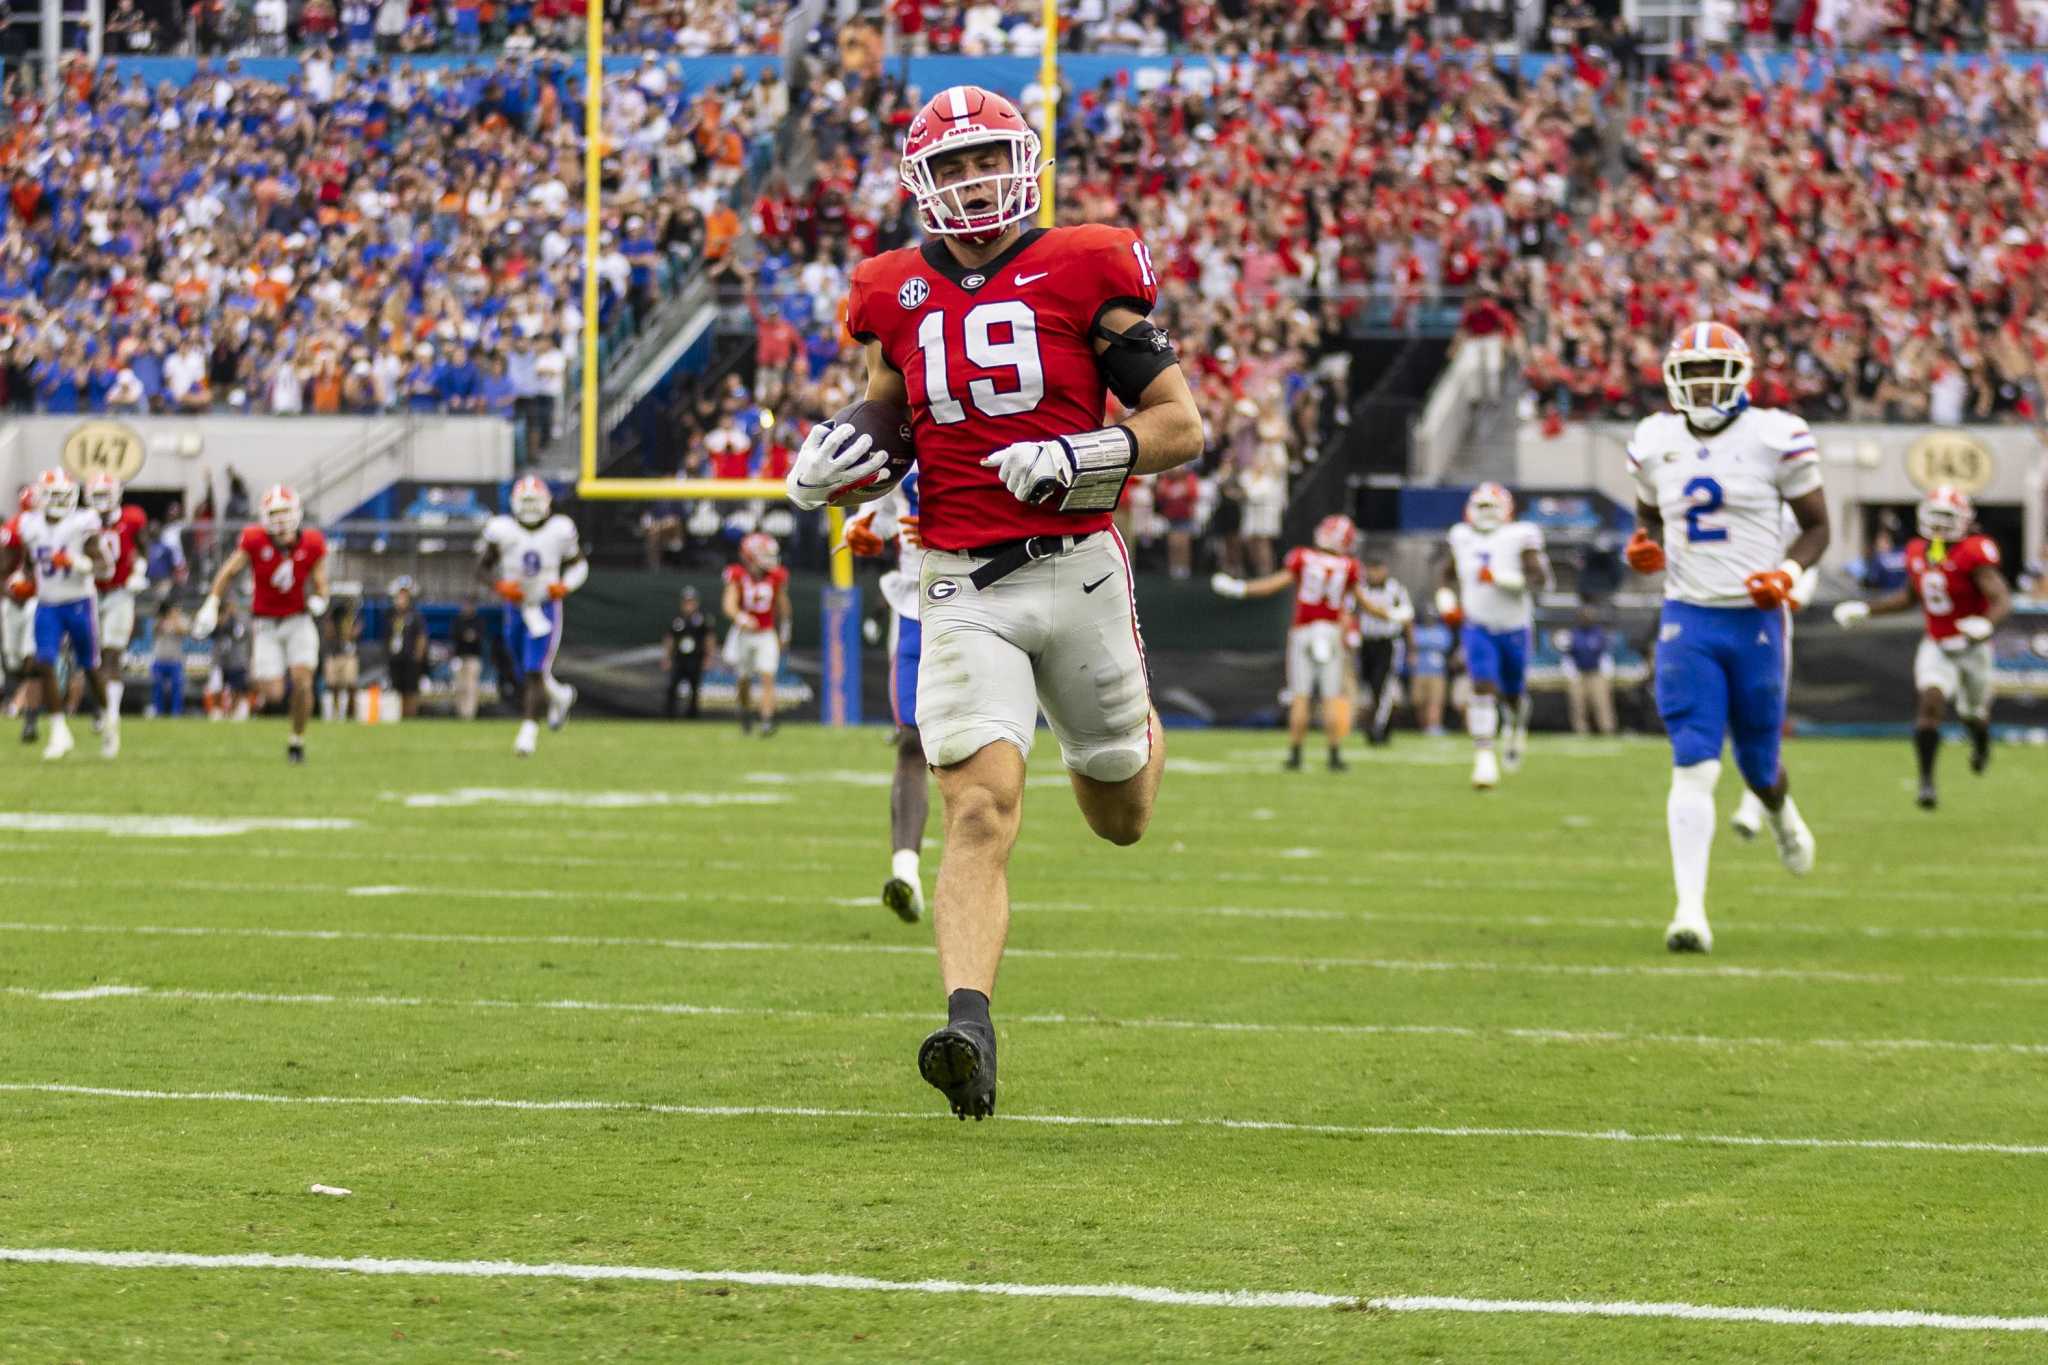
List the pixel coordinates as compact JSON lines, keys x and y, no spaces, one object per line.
{"x":1102,"y":465}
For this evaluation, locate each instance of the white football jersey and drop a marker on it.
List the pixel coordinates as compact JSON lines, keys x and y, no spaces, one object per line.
{"x":532,"y":556}
{"x":1722,"y":497}
{"x":42,"y":540}
{"x":1485,"y":605}
{"x":899,"y":585}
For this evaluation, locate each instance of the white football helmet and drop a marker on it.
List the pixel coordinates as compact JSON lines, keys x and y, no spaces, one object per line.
{"x":281,"y":512}
{"x":1707,"y":369}
{"x":1337,"y":534}
{"x":58,"y":494}
{"x":759,"y":552}
{"x":103,"y":494}
{"x":531,"y":501}
{"x":1490,"y":507}
{"x":1945,"y":514}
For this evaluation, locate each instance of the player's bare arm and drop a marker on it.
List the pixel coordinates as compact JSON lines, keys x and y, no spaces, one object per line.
{"x":885,"y":385}
{"x":1361,"y":599}
{"x":1810,"y":510}
{"x":785,"y":614}
{"x":1536,"y":569}
{"x":730,"y":602}
{"x":1278,"y":581}
{"x":237,"y":563}
{"x":1997,"y":596}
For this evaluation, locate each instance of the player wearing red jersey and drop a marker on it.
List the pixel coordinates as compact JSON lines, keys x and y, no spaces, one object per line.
{"x":1953,"y":575}
{"x":1004,"y":344}
{"x":18,"y":621}
{"x":127,"y":575}
{"x":1326,"y":580}
{"x":757,"y":603}
{"x":289,"y":569}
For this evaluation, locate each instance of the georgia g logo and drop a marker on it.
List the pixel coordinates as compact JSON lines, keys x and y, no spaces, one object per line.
{"x":914,"y":292}
{"x":941,"y":589}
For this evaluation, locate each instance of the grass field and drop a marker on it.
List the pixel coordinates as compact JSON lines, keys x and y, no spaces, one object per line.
{"x":1365,"y":1036}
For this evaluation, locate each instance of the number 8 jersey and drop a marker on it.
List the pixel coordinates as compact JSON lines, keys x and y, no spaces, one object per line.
{"x":1722,"y":497}
{"x":996,"y":354}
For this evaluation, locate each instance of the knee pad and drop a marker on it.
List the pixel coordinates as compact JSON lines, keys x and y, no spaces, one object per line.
{"x":1118,"y":761}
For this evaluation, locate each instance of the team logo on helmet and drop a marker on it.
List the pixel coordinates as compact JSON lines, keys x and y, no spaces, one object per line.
{"x":914,"y":292}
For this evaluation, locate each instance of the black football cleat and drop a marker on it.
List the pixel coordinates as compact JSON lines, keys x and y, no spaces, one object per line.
{"x":746,"y":722}
{"x":1337,"y":763}
{"x":1925,"y":800}
{"x":28,"y":730}
{"x":1293,"y":763}
{"x":1980,"y":753}
{"x":295,"y":752}
{"x":960,"y":1060}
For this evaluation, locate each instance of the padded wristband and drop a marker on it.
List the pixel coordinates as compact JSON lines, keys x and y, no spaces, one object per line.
{"x":1102,"y":465}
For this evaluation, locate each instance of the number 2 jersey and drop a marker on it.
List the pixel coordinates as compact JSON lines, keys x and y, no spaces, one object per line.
{"x":1947,"y":587}
{"x":1322,"y":584}
{"x":532,"y":556}
{"x":44,"y":540}
{"x":997,"y":354}
{"x":1722,"y":497}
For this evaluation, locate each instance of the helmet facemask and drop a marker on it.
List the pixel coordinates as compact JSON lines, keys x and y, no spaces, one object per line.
{"x":1708,"y":387}
{"x":1008,"y":195}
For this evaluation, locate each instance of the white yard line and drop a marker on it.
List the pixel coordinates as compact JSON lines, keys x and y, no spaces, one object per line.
{"x":1126,"y":1293}
{"x":1612,"y":1135}
{"x":1593,"y":1037}
{"x":1692,"y":970}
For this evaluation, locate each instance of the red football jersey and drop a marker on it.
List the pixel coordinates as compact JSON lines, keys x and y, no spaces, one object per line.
{"x":995,"y":355}
{"x":1322,"y":584}
{"x":10,"y":530}
{"x":1948,"y":590}
{"x":757,"y":595}
{"x":281,"y":572}
{"x":117,"y":546}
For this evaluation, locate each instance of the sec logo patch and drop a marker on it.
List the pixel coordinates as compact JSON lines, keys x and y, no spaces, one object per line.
{"x":914,"y":292}
{"x":941,"y":589}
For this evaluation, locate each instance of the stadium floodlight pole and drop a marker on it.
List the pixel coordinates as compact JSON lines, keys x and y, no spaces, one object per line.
{"x":1048,"y":111}
{"x":593,"y":166}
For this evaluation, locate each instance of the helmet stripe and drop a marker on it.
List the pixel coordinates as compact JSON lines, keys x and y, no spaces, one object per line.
{"x":957,"y":97}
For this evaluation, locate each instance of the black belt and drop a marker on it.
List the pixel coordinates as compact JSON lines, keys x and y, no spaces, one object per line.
{"x":1005,"y":557}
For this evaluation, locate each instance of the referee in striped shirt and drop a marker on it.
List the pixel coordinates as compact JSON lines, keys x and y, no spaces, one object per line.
{"x":1382,"y":637}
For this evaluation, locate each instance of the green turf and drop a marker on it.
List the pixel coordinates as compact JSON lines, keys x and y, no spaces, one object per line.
{"x":1383,"y":949}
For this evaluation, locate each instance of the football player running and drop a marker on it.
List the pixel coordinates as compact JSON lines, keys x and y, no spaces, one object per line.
{"x":1495,"y":568}
{"x":756,"y":601}
{"x":531,"y":559}
{"x":60,"y":544}
{"x":867,"y":535}
{"x":1953,"y":575}
{"x":1004,"y":344}
{"x":1748,"y":820}
{"x":288,"y":567}
{"x":1326,"y":579}
{"x":121,"y":531}
{"x":1712,"y":479}
{"x":18,"y":618}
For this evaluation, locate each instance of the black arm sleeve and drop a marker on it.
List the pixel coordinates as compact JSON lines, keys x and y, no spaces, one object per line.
{"x":1136,"y":356}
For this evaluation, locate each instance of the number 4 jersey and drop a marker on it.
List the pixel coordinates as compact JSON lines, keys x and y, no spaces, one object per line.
{"x":994,"y":355}
{"x":1947,"y":586}
{"x":1722,"y":497}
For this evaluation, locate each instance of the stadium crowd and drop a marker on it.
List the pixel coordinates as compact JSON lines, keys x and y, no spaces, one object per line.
{"x":363,"y":239}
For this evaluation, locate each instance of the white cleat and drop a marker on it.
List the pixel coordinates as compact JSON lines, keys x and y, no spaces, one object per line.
{"x":1511,"y":753}
{"x":529,"y":736}
{"x":1689,"y":934}
{"x":1485,"y":770}
{"x":1748,"y":819}
{"x":1796,"y":846}
{"x":110,"y":742}
{"x":60,"y":742}
{"x":558,"y":707}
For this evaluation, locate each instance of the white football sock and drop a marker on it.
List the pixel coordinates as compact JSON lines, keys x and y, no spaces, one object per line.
{"x":114,"y":691}
{"x":1482,"y":718}
{"x":1689,"y":812}
{"x":558,"y":692}
{"x":330,"y":705}
{"x":1786,"y":816}
{"x":903,"y":865}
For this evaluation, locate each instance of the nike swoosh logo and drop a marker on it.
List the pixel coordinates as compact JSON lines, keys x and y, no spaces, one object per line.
{"x":1091,"y":587}
{"x":1026,"y":279}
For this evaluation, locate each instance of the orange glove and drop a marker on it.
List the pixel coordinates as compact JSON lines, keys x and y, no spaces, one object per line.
{"x":1644,"y":555}
{"x":20,"y":588}
{"x":558,"y":591}
{"x":1454,"y":618}
{"x":1770,"y":589}
{"x":509,"y":590}
{"x":906,"y":526}
{"x":60,"y":561}
{"x":861,"y":538}
{"x":1485,"y":573}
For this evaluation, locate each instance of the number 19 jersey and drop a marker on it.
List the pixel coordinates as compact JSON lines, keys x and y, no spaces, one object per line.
{"x":1722,"y":497}
{"x":997,"y":354}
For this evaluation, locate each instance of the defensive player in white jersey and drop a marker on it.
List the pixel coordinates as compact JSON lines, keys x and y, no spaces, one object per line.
{"x":1712,"y":480}
{"x":532,"y":561}
{"x":1496,"y":566}
{"x":61,"y":545}
{"x":867,"y":535}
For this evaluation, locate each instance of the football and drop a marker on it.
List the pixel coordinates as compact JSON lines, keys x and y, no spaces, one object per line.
{"x":889,"y":426}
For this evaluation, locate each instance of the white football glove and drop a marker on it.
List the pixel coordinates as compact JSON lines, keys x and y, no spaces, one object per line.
{"x":1223,"y":585}
{"x":1977,"y":628}
{"x":138,"y":576}
{"x":832,"y":459}
{"x":1852,"y":613}
{"x":316,"y":605}
{"x":206,"y":618}
{"x":1446,"y":601}
{"x":1033,"y":470}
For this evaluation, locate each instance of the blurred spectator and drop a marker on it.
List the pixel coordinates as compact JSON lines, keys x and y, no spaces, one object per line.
{"x":466,"y":641}
{"x":1588,"y":661}
{"x":167,"y":661}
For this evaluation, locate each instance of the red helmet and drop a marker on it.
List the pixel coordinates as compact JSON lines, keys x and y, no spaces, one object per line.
{"x":1337,"y":534}
{"x":957,"y":118}
{"x":1945,"y":514}
{"x":759,"y":552}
